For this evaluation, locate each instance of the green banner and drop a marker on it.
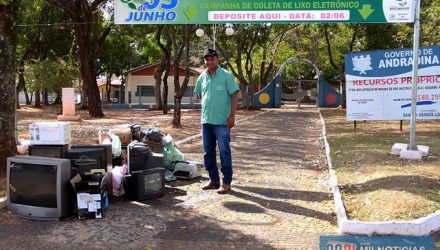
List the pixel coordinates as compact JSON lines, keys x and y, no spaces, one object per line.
{"x":262,"y":11}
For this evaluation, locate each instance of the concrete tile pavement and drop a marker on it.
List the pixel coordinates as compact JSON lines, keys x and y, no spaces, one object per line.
{"x":280,"y":200}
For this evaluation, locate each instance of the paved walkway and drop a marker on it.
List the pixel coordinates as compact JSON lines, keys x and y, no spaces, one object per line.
{"x":280,"y":200}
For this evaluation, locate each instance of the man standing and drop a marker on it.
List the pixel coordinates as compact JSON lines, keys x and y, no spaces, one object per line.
{"x":219,"y":103}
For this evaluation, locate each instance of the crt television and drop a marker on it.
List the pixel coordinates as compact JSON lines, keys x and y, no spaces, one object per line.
{"x":39,"y":187}
{"x":97,"y":153}
{"x":138,"y":154}
{"x":146,"y":184}
{"x":52,"y":151}
{"x":107,"y":152}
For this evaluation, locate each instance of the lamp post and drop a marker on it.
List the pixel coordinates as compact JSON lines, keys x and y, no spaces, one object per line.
{"x":229,"y":31}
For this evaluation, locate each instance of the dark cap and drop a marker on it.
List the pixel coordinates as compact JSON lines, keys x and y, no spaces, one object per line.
{"x":210,"y":52}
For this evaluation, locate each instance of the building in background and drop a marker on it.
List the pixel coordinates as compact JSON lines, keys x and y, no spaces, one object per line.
{"x":140,"y":85}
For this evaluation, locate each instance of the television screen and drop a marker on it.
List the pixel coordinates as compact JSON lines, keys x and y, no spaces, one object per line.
{"x":25,"y":192}
{"x":52,"y":151}
{"x":39,"y":187}
{"x":153,"y":182}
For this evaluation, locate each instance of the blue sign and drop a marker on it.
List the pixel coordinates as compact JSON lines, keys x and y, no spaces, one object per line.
{"x":385,"y":63}
{"x":376,"y":243}
{"x":379,"y":84}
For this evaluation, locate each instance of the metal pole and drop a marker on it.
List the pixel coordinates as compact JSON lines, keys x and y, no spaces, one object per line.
{"x":214,"y":37}
{"x":139,"y":94}
{"x":412,"y":134}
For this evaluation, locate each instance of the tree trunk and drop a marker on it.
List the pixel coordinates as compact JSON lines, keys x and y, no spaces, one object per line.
{"x":26,"y":95}
{"x":176,"y":66}
{"x":108,"y":87}
{"x":37,"y":99}
{"x":93,"y":98}
{"x":177,"y":115}
{"x":165,"y":86}
{"x":58,"y":99}
{"x":158,"y":84}
{"x":344,"y":95}
{"x":165,"y":91}
{"x":166,"y":50}
{"x":45,"y":97}
{"x":252,"y":104}
{"x":17,"y":99}
{"x":87,"y":70}
{"x":8,"y":43}
{"x":82,"y":89}
{"x":21,"y":83}
{"x":159,"y":70}
{"x":179,"y":91}
{"x":243,"y":92}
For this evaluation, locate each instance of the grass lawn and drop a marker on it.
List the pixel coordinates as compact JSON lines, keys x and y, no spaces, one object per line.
{"x":378,"y":186}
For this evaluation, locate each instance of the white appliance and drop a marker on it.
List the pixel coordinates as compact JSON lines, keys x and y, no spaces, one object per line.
{"x":188,"y":169}
{"x":54,"y":133}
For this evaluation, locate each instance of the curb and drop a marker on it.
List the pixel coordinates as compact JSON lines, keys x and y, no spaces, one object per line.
{"x":3,"y":202}
{"x":419,"y":227}
{"x":341,"y":214}
{"x":197,"y":136}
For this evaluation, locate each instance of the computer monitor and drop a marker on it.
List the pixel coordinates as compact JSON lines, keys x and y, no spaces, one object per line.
{"x":107,"y":155}
{"x":83,"y":159}
{"x":107,"y":150}
{"x":138,"y":154}
{"x":51,"y":151}
{"x":39,"y":187}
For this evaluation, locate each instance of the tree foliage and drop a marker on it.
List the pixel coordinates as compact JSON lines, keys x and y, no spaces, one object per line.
{"x":253,"y":54}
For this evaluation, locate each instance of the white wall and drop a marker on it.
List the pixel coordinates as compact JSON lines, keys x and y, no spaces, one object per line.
{"x":22,"y":98}
{"x":134,"y":81}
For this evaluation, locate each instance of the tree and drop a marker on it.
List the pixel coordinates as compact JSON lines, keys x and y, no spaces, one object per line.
{"x":90,"y":37}
{"x":8,"y":42}
{"x":161,"y":67}
{"x":51,"y":75}
{"x":127,"y":47}
{"x":164,"y":65}
{"x":250,"y":54}
{"x":42,"y":35}
{"x":179,"y":50}
{"x":430,"y":34}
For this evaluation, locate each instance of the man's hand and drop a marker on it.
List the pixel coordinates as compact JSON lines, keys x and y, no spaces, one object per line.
{"x":230,"y":122}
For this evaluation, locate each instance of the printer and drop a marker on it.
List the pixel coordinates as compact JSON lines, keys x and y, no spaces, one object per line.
{"x":187,"y":169}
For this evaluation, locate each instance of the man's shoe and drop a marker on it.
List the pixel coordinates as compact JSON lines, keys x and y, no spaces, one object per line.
{"x":211,"y":185}
{"x":224,"y":189}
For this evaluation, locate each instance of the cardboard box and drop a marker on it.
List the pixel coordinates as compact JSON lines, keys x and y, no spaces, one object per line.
{"x":123,"y":133}
{"x":91,"y":198}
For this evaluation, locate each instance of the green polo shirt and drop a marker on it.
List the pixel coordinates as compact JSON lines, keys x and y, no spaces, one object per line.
{"x":216,"y":95}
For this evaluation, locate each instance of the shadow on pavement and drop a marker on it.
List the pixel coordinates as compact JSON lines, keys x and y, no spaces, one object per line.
{"x":284,"y":206}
